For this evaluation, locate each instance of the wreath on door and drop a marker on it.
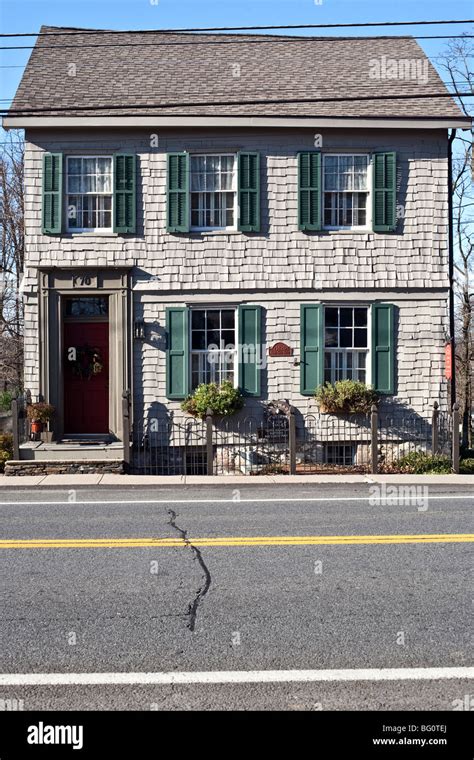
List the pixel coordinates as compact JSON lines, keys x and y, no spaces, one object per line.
{"x":88,"y":362}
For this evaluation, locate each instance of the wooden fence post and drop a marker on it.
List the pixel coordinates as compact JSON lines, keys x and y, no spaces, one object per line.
{"x":209,"y":449}
{"x":456,"y":437}
{"x":374,"y":427}
{"x":15,"y":428}
{"x":126,"y":428}
{"x":435,"y":429}
{"x":292,"y":440}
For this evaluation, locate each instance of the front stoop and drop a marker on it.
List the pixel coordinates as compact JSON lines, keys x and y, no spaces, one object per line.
{"x":65,"y":467}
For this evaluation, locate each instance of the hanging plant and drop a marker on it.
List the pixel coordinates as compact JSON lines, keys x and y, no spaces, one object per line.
{"x":88,"y":362}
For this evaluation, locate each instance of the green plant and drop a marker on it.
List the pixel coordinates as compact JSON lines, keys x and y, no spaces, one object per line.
{"x":6,"y":398}
{"x":6,"y":449}
{"x":347,"y":396}
{"x":40,"y":412}
{"x":222,"y":399}
{"x":420,"y":463}
{"x":466,"y":466}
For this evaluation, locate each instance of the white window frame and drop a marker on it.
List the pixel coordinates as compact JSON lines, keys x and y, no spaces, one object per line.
{"x":90,"y":229}
{"x":204,"y":352}
{"x":367,"y":351}
{"x":361,"y":228}
{"x":234,"y":227}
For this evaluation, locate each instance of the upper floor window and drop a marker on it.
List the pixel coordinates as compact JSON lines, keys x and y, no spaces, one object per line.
{"x":346,"y":344}
{"x":346,"y":185}
{"x":89,"y":193}
{"x":213,"y":192}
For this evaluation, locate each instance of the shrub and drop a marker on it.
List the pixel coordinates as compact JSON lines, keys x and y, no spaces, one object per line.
{"x":6,"y":449}
{"x":347,"y":396}
{"x":40,"y":412}
{"x":6,"y":398}
{"x":222,"y":399}
{"x":420,"y":463}
{"x":466,"y":466}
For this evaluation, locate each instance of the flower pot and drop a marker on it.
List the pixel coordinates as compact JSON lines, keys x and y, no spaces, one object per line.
{"x":47,"y":436}
{"x":36,"y":429}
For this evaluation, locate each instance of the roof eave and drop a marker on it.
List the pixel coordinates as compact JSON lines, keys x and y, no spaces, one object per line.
{"x":357,"y":122}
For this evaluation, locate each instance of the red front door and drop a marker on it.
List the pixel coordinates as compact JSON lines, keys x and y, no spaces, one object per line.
{"x":86,"y":377}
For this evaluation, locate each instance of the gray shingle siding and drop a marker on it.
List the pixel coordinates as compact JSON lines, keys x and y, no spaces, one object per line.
{"x":411,"y":264}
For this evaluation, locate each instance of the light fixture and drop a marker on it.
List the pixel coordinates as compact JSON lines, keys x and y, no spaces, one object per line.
{"x":139,"y":329}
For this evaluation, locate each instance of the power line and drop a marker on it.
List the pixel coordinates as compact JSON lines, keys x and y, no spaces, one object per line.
{"x":249,"y":41}
{"x":76,"y":31}
{"x":180,"y":104}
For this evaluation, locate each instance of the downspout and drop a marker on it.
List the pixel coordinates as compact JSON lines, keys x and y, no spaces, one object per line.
{"x":451,"y":266}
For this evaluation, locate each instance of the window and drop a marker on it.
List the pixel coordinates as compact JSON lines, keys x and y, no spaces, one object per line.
{"x":346,"y":191}
{"x":87,"y":307}
{"x":89,"y":193}
{"x":345,"y":343}
{"x":213,"y":192}
{"x":213,"y":346}
{"x":340,"y":453}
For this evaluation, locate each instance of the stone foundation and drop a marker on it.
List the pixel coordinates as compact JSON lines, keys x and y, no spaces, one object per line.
{"x":64,"y":467}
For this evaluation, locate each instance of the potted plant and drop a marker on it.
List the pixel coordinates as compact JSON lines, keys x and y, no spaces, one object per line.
{"x":223,"y":400}
{"x":39,"y":415}
{"x":346,"y":397}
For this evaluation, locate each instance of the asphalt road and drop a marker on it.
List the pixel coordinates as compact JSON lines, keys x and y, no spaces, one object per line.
{"x":189,"y":608}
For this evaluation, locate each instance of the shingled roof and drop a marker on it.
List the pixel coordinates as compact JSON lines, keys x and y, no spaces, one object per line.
{"x":186,"y":74}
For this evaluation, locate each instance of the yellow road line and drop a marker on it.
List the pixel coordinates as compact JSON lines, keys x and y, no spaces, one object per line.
{"x":143,"y":543}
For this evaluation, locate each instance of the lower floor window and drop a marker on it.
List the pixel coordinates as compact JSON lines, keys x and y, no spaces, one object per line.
{"x":345,"y":343}
{"x":213,"y":346}
{"x":340,"y":453}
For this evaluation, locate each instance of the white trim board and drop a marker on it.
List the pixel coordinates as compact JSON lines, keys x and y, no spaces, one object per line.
{"x":79,"y":122}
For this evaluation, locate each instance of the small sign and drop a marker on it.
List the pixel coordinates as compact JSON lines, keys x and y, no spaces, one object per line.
{"x":448,"y":361}
{"x":280,"y":349}
{"x":84,"y":280}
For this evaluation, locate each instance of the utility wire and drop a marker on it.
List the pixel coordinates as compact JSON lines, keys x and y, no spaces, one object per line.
{"x":76,"y":31}
{"x":180,"y":104}
{"x":259,"y":41}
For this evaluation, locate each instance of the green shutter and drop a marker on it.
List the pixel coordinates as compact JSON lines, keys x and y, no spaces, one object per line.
{"x":384,"y":192}
{"x":178,"y":192}
{"x":177,"y":352}
{"x":251,"y":350}
{"x":249,"y":192}
{"x":311,"y":348}
{"x":309,"y":190}
{"x":125,"y":201}
{"x":383,"y":348}
{"x":52,"y":193}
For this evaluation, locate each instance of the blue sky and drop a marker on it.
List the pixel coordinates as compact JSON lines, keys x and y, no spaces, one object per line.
{"x":29,"y":15}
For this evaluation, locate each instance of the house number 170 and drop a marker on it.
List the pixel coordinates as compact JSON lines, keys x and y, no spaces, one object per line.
{"x":83,"y":281}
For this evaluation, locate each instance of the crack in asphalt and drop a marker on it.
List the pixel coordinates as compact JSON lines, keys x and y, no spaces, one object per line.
{"x":202,"y":590}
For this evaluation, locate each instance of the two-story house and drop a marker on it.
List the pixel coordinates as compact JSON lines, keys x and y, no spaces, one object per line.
{"x":194,"y":199}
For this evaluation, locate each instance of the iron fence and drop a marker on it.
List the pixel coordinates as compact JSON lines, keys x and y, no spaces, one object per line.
{"x":289,"y":443}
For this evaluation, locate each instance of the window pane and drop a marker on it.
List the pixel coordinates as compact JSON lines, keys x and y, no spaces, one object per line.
{"x":213,"y":320}
{"x":346,"y":317}
{"x":360,"y":317}
{"x":198,"y":340}
{"x":330,"y":338}
{"x":228,"y":319}
{"x":198,"y":320}
{"x":360,"y":338}
{"x":345,"y":338}
{"x":331,"y":317}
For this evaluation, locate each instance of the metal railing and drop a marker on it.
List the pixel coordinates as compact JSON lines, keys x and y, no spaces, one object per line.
{"x":290,"y":443}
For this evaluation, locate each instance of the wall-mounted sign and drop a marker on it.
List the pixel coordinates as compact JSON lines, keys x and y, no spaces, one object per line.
{"x":280,"y":349}
{"x":84,"y":280}
{"x":448,"y":361}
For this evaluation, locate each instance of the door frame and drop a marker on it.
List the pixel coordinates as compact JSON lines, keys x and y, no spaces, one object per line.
{"x":54,"y":286}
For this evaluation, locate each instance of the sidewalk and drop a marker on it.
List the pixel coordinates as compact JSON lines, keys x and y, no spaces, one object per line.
{"x":73,"y":481}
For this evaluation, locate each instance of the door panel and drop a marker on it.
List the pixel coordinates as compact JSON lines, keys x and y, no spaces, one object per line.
{"x":86,"y":377}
